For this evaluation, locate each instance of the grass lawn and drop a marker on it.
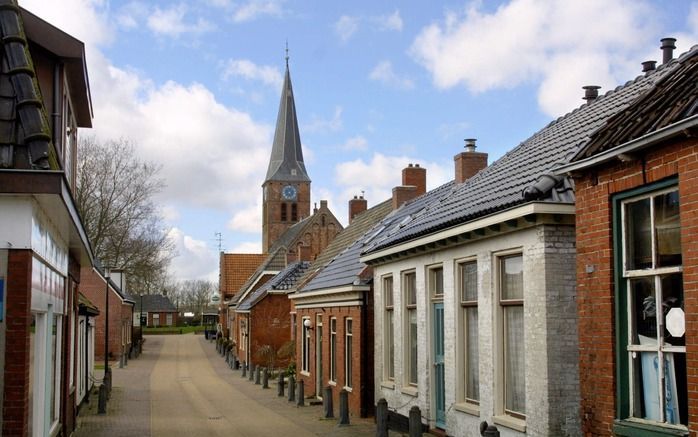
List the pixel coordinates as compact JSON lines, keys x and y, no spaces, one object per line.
{"x":174,"y":330}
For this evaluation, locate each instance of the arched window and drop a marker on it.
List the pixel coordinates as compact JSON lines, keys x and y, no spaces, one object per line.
{"x":294,"y":212}
{"x":284,"y":212}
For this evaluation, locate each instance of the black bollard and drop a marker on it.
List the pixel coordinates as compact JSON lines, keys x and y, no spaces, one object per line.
{"x":251,"y":370}
{"x":488,"y":430}
{"x":265,"y":378}
{"x":257,"y":375}
{"x":415,"y":422}
{"x":107,"y":381}
{"x":291,"y":388}
{"x":244,"y":369}
{"x":327,"y":403}
{"x":102,"y":403}
{"x":382,"y":418}
{"x":300,"y":388}
{"x":343,"y":407}
{"x":280,"y":385}
{"x":236,"y":363}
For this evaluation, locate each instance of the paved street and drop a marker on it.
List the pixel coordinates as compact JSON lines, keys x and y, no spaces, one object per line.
{"x":180,"y":386}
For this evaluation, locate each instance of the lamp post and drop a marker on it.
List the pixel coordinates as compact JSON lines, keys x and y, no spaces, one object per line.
{"x":107,"y":371}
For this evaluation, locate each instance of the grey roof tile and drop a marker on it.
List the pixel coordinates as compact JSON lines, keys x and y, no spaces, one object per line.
{"x":284,"y":280}
{"x":154,"y":303}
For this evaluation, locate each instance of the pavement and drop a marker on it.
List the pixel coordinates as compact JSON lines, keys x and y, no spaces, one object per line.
{"x":181,"y":386}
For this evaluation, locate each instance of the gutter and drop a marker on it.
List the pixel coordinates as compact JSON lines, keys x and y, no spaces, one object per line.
{"x":637,"y":144}
{"x":327,"y":291}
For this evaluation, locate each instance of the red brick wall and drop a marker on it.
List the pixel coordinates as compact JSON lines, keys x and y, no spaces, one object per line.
{"x":595,"y":291}
{"x":361,"y":396}
{"x":18,"y":320}
{"x":162,"y":319}
{"x":270,"y":322}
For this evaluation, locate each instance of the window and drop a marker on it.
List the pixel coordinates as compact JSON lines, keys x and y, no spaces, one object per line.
{"x":169,"y":319}
{"x":469,"y":390}
{"x":348,"y":339}
{"x":409,"y":287}
{"x":284,"y":212}
{"x":333,"y":349}
{"x":70,"y":139}
{"x":156,"y":319}
{"x":305,"y":359}
{"x":436,"y":282}
{"x":511,"y":301}
{"x":243,"y":333}
{"x":651,"y":302}
{"x":388,"y":330}
{"x":294,"y":212}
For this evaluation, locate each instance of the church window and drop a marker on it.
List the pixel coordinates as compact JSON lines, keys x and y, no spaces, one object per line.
{"x":284,"y":212}
{"x":294,"y":212}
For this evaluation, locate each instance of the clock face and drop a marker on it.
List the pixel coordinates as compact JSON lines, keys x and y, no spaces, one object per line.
{"x":289,"y":192}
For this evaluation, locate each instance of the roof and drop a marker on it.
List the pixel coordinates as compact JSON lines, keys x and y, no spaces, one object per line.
{"x":25,"y":138}
{"x":286,"y":162}
{"x":236,"y":268}
{"x":524,"y":174}
{"x":154,"y":303}
{"x":113,"y":285}
{"x":284,"y":280}
{"x":339,"y":263}
{"x":85,"y":307}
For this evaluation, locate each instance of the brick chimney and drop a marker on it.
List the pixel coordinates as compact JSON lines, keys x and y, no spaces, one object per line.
{"x":357,"y":205}
{"x":403,"y":194}
{"x":470,"y":162}
{"x":414,"y":175}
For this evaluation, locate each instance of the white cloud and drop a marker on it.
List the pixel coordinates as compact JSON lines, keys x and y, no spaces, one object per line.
{"x":247,"y":219}
{"x":559,"y":45}
{"x":383,"y":72}
{"x":171,"y":22}
{"x":345,"y":27}
{"x":355,"y":143}
{"x":318,"y":124}
{"x":90,"y":25}
{"x":390,"y":22}
{"x":381,"y":174}
{"x":255,"y":8}
{"x":248,"y":70}
{"x":169,"y":213}
{"x":247,"y":247}
{"x":194,"y":260}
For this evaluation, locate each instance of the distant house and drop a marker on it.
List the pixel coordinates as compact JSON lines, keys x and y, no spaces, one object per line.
{"x":157,"y":309}
{"x":637,"y":186}
{"x":121,"y":305}
{"x":235,"y":269}
{"x":44,"y":99}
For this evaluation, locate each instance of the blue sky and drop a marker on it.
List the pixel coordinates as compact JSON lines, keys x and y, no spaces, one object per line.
{"x":195,"y":86}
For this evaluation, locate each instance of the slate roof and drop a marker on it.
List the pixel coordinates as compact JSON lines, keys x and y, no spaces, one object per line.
{"x":522,"y":175}
{"x":153,"y":303}
{"x":339,"y":263}
{"x":25,"y":138}
{"x":236,"y":268}
{"x":284,"y":280}
{"x":286,"y":163}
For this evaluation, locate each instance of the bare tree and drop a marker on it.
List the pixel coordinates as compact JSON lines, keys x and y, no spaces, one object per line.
{"x":197,"y":294}
{"x":115,"y":197}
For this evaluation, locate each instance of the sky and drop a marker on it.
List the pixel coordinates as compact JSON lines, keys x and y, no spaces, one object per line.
{"x":195,"y":86}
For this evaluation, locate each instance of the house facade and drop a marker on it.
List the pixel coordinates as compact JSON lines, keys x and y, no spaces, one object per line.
{"x":157,"y":309}
{"x":85,"y":349}
{"x":44,"y":242}
{"x":636,"y":183}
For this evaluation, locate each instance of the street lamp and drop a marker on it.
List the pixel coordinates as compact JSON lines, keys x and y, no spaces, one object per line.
{"x":107,"y":372}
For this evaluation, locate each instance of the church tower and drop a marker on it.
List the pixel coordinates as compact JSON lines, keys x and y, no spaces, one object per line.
{"x":286,"y":188}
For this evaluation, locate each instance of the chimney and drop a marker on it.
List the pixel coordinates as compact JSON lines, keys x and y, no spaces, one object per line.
{"x":314,"y":207}
{"x":668,"y":46}
{"x":304,"y":253}
{"x":357,"y":205}
{"x":470,"y":162}
{"x":403,"y":194}
{"x":591,"y":93}
{"x":415,"y":175}
{"x":323,"y":204}
{"x":649,"y":66}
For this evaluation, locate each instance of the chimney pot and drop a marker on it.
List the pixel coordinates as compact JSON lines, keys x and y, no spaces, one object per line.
{"x":648,"y":66}
{"x":469,"y":162}
{"x":470,"y":144}
{"x":416,"y":165}
{"x":591,"y":92}
{"x":409,"y":165}
{"x":668,"y":46}
{"x":323,"y":204}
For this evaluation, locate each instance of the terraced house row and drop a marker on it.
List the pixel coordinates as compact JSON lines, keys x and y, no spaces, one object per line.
{"x":550,"y":293}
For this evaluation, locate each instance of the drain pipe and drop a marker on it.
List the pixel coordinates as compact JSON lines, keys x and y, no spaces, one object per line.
{"x":56,"y":115}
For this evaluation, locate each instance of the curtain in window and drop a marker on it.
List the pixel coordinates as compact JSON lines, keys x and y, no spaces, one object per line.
{"x":413,"y":345}
{"x":515,"y":399}
{"x":472,"y":360}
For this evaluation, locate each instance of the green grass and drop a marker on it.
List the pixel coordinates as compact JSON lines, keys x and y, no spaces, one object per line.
{"x":174,"y":330}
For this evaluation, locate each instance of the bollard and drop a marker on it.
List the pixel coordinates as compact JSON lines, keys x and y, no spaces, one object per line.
{"x":343,"y":407}
{"x":415,"y":422}
{"x":257,"y":375}
{"x":244,"y":369}
{"x":382,"y":418}
{"x":107,"y":381}
{"x":300,"y":387}
{"x":102,"y":402}
{"x":280,"y":385}
{"x":291,"y":388}
{"x":251,"y":371}
{"x":127,"y":356}
{"x":488,"y":430}
{"x":236,"y":363}
{"x":265,"y":378}
{"x":327,"y":403}
{"x":121,"y":360}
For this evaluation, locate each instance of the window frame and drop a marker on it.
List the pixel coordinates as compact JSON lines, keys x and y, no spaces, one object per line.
{"x":305,"y":346}
{"x":462,"y":350}
{"x":625,"y":423}
{"x":388,"y":327}
{"x":408,"y":308}
{"x":333,"y":349}
{"x":348,"y":351}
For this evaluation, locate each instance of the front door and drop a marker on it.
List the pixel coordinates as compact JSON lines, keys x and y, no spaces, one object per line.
{"x":318,"y":357}
{"x":439,"y":380}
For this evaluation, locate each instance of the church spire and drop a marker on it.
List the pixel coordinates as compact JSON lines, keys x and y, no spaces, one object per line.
{"x":286,"y":162}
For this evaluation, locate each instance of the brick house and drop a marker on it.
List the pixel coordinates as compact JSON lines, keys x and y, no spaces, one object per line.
{"x":637,"y":183}
{"x":93,"y":285}
{"x":44,"y":242}
{"x":157,"y":309}
{"x":333,"y":307}
{"x":235,"y":269}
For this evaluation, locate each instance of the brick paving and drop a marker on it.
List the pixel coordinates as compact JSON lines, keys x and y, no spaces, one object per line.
{"x":180,"y":384}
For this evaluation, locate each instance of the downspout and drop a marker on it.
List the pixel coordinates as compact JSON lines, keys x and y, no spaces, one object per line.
{"x":56,"y":115}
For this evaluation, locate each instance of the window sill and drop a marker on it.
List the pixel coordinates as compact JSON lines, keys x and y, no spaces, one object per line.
{"x":304,"y":373}
{"x":410,"y":391}
{"x":631,"y":428}
{"x":388,"y":384}
{"x":467,"y":408}
{"x":332,"y":383}
{"x":349,"y":389}
{"x":510,"y":422}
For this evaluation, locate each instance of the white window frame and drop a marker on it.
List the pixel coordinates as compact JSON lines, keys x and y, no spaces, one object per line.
{"x":333,"y":349}
{"x":408,"y":308}
{"x":305,"y":346}
{"x":156,"y":319}
{"x":348,"y":351}
{"x":388,"y":285}
{"x":463,"y":306}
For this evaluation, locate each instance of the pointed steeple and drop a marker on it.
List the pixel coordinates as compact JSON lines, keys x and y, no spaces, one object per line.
{"x":286,"y":162}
